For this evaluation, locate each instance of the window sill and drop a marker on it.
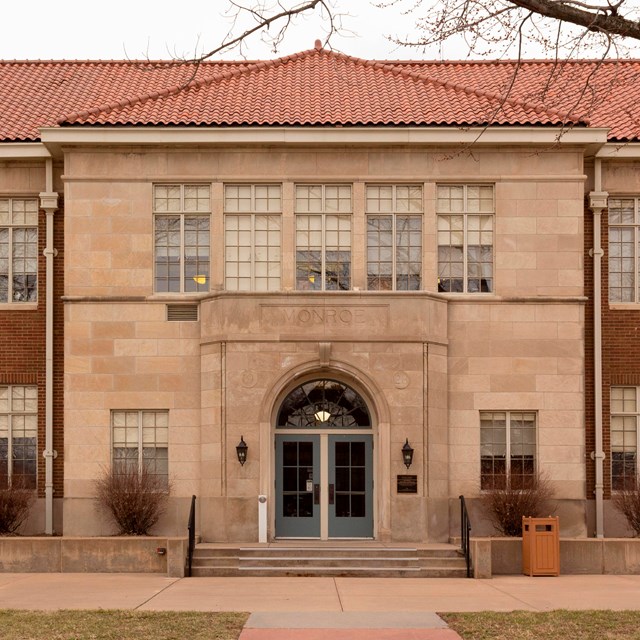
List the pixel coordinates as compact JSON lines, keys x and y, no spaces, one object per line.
{"x":18,"y":306}
{"x":624,"y":306}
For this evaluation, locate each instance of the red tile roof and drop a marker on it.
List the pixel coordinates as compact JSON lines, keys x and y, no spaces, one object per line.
{"x":317,"y":87}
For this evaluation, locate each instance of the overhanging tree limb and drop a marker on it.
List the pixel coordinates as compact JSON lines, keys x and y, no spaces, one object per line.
{"x":600,"y":19}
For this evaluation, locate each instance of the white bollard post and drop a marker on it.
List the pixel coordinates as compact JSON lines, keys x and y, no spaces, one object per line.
{"x":262,"y":518}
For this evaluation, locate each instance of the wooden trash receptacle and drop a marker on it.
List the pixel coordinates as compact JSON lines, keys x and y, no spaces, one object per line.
{"x":541,"y":546}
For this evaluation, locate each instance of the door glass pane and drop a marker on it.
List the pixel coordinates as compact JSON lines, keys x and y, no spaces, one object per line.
{"x":289,"y":505}
{"x":342,"y":479}
{"x":357,"y":505}
{"x":306,"y":505}
{"x":289,"y":479}
{"x":342,"y":454}
{"x":357,"y":454}
{"x":306,"y":453}
{"x":342,"y":505}
{"x":357,"y":479}
{"x":290,"y":453}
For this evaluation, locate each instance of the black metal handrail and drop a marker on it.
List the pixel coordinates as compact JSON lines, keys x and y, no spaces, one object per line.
{"x":465,"y":533}
{"x":191,"y":527}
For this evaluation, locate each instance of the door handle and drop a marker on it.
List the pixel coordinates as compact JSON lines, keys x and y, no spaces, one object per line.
{"x":316,"y":494}
{"x":331,"y":493}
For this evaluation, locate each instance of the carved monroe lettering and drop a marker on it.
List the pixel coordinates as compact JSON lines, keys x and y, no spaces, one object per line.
{"x":324,"y":315}
{"x":337,"y":319}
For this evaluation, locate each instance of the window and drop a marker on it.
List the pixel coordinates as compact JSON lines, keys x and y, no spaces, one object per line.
{"x":323,"y":237}
{"x":140,"y":438}
{"x":182,"y":237}
{"x":507,"y":448}
{"x":624,"y":437}
{"x":18,"y":433}
{"x":394,"y":237}
{"x":465,"y":238}
{"x":624,"y":220}
{"x":252,"y":226}
{"x":18,"y":250}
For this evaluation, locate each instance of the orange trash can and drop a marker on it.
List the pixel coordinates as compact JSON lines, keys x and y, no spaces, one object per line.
{"x":541,"y":546}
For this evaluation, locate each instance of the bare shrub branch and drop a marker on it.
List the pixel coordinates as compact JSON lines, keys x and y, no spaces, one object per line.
{"x":15,"y":504}
{"x":506,"y":505}
{"x":627,"y":502}
{"x":134,"y":500}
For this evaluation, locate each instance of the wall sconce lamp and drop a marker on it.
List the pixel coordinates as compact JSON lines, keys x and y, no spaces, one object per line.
{"x":407,"y":453}
{"x":241,"y":451}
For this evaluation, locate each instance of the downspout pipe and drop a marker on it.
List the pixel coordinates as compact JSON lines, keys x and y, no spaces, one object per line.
{"x":49,"y":203}
{"x":598,"y":200}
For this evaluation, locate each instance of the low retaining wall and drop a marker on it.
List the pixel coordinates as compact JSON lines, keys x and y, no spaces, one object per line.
{"x":503,"y":556}
{"x":93,"y":555}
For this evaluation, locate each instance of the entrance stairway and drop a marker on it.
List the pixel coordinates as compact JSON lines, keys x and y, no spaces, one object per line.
{"x":292,"y":558}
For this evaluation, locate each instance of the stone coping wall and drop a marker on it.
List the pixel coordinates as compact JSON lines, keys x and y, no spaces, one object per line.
{"x":503,"y":556}
{"x":114,"y":554}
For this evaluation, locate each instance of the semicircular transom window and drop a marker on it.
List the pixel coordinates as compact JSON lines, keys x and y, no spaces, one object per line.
{"x":323,"y":404}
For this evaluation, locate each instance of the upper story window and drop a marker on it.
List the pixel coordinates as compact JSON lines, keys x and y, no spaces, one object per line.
{"x":507,"y":449}
{"x":624,"y":437}
{"x":18,"y":250}
{"x":394,"y":237}
{"x":323,"y":237}
{"x":18,"y":435}
{"x":465,"y":238}
{"x":140,"y":440}
{"x":252,"y":232}
{"x":182,"y":220}
{"x":624,"y":220}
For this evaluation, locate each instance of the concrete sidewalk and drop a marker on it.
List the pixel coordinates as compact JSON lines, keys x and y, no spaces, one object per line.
{"x":287,"y":608}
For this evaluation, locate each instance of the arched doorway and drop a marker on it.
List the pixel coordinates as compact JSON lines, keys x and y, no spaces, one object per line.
{"x":324,"y":463}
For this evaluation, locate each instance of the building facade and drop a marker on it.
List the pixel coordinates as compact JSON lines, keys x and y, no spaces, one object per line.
{"x":329,"y":260}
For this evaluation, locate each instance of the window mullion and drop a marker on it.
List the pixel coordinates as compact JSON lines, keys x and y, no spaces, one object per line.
{"x":465,"y":248}
{"x":252,"y":233}
{"x":182,"y":252}
{"x":323,"y":261}
{"x":508,"y":444}
{"x":140,"y":442}
{"x":11,"y":250}
{"x":393,"y":247}
{"x":10,"y":442}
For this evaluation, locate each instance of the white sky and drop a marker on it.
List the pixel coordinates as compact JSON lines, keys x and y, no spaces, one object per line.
{"x":163,"y":29}
{"x":116,"y":29}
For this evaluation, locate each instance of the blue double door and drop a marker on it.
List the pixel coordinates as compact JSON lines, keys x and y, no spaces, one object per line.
{"x":324,"y":486}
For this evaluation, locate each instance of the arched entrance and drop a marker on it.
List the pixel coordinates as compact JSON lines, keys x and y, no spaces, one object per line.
{"x":324,"y":463}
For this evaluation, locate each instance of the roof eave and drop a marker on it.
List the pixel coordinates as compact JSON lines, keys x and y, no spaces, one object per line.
{"x":56,"y":137}
{"x":620,"y":150}
{"x":23,"y":150}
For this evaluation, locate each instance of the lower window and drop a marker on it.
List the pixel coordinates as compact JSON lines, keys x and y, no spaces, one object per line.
{"x":18,"y":436}
{"x":624,"y":437}
{"x":140,"y":441}
{"x":507,"y":449}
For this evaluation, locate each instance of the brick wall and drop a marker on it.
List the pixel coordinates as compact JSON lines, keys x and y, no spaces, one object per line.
{"x":23,"y":351}
{"x":620,"y":353}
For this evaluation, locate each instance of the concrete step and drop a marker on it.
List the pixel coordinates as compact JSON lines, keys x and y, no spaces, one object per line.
{"x":333,"y":560}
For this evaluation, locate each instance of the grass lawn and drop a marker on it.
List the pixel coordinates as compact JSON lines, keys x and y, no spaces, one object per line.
{"x":551,"y":625}
{"x":119,"y":625}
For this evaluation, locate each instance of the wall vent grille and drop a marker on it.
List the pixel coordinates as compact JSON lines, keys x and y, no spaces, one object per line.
{"x":182,"y":312}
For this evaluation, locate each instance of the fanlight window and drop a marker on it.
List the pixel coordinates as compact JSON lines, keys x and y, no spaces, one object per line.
{"x":323,"y":404}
